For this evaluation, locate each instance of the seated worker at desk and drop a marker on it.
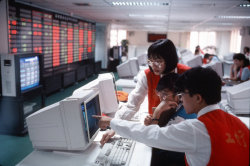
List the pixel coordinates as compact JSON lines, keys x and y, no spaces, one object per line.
{"x":215,"y":138}
{"x":240,"y":70}
{"x":210,"y":58}
{"x":169,"y":111}
{"x":162,"y":59}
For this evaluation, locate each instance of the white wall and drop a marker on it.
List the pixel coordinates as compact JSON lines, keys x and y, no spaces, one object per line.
{"x":102,"y":43}
{"x":180,"y":39}
{"x":245,"y":40}
{"x":138,"y":41}
{"x":138,"y":38}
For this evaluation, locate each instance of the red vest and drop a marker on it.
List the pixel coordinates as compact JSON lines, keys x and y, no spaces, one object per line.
{"x":152,"y":80}
{"x":182,"y":68}
{"x":229,"y":139}
{"x":153,"y":99}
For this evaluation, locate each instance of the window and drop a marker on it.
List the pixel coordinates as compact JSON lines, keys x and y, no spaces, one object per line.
{"x":235,"y":41}
{"x":116,"y":36}
{"x":203,"y":39}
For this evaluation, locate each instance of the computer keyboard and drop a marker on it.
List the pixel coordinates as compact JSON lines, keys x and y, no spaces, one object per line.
{"x":224,"y":106}
{"x":116,"y":152}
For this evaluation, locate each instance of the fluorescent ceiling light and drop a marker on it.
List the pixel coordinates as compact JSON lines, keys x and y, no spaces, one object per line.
{"x":120,"y":3}
{"x":244,"y":5}
{"x":233,"y":17}
{"x":148,"y":16}
{"x":221,"y":23}
{"x":155,"y":26}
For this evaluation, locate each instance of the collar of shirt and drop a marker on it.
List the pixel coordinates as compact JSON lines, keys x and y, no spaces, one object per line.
{"x":207,"y":109}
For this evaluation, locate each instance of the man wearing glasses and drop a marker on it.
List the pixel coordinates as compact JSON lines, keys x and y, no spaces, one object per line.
{"x":169,"y":111}
{"x":214,"y":138}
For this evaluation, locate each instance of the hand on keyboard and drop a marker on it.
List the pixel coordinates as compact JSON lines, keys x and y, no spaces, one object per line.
{"x":106,"y":136}
{"x":116,"y":152}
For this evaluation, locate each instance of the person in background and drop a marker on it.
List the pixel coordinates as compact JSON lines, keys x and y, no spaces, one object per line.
{"x":210,"y":58}
{"x":169,"y":111}
{"x":246,"y":52}
{"x":162,"y":59}
{"x":198,"y":51}
{"x":214,"y":138}
{"x":240,"y":70}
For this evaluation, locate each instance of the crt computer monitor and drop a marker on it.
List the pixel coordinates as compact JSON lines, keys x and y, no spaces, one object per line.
{"x":29,"y":72}
{"x":129,"y":68}
{"x":105,"y":83}
{"x":216,"y":66}
{"x":192,"y":61}
{"x":20,"y":72}
{"x":238,"y":98}
{"x":67,"y":125}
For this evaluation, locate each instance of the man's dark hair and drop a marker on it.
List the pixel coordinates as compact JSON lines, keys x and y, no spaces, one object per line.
{"x":206,"y":56}
{"x":203,"y":81}
{"x":167,"y":81}
{"x":241,"y":57}
{"x":165,"y":49}
{"x":246,"y":48}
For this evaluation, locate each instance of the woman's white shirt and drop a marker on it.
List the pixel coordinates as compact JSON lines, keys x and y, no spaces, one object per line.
{"x":135,"y":98}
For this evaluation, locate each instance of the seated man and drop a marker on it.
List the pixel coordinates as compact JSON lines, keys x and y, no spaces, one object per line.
{"x":214,"y":138}
{"x":210,"y":58}
{"x":169,"y":111}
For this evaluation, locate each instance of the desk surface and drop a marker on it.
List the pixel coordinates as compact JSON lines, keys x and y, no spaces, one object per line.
{"x":141,"y":154}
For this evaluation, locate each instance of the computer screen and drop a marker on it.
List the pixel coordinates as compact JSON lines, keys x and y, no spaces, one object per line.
{"x":20,"y":72}
{"x":90,"y":108}
{"x":29,"y":72}
{"x":66,"y":125}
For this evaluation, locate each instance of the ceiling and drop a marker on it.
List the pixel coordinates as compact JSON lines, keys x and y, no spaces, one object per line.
{"x":178,"y":15}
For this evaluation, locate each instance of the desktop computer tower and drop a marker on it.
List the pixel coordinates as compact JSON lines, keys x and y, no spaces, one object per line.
{"x":8,"y":75}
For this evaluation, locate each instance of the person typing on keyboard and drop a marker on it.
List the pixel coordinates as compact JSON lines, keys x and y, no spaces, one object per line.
{"x":162,"y":59}
{"x":214,"y":138}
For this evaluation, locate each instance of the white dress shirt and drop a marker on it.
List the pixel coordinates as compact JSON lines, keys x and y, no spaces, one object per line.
{"x":189,"y":136}
{"x":135,"y":98}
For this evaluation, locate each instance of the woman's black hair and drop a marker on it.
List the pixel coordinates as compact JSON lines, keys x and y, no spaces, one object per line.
{"x":241,"y":57}
{"x":203,"y":81}
{"x":165,"y":49}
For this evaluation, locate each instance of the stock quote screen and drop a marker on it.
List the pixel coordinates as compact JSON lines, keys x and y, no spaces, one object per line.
{"x":61,"y":39}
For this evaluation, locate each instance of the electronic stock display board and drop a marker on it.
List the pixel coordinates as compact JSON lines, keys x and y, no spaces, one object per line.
{"x":60,"y":38}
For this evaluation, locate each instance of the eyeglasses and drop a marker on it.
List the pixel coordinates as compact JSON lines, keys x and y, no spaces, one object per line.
{"x":158,"y":63}
{"x":163,"y":96}
{"x":180,"y":95}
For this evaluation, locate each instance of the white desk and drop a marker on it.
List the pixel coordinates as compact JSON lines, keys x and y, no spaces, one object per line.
{"x":141,"y":154}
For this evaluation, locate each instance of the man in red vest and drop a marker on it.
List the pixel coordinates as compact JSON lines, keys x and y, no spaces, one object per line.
{"x":215,"y":138}
{"x":162,"y":59}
